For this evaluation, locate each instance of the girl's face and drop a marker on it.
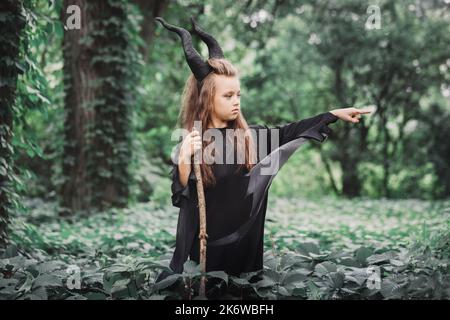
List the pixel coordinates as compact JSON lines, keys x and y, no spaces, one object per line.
{"x":227,"y":98}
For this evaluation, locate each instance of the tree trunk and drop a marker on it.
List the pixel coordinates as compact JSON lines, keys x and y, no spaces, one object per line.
{"x":385,"y":152}
{"x":76,"y":191}
{"x":111,"y":152}
{"x":12,"y":25}
{"x":348,"y":155}
{"x":98,"y":83}
{"x":351,"y":184}
{"x":149,"y":10}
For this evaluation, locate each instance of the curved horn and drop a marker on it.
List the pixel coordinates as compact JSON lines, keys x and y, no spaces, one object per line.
{"x":199,"y":68}
{"x":213,"y":46}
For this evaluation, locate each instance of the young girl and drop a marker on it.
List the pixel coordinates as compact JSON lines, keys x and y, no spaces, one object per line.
{"x":234,"y":220}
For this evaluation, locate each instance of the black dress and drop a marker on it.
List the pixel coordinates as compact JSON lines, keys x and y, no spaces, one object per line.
{"x":229,"y":208}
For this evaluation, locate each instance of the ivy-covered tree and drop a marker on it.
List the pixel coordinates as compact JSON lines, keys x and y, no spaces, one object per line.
{"x":12,"y":25}
{"x":98,"y":81}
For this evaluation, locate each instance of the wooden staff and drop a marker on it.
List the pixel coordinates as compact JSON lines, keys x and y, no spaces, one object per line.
{"x":202,"y":214}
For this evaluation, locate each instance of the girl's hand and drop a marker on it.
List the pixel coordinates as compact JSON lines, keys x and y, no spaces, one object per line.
{"x":191,"y":144}
{"x":350,"y":114}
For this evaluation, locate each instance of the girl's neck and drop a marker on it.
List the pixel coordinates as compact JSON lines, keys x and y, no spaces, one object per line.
{"x":217,"y":124}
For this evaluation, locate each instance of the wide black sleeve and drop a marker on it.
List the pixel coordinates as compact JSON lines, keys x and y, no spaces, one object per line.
{"x":180,"y":193}
{"x":313,"y":127}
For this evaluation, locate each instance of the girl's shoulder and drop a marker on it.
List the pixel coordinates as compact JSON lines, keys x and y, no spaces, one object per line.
{"x":257,"y":126}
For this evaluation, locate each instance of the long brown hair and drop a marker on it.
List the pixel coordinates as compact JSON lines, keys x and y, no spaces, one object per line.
{"x":198,"y":107}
